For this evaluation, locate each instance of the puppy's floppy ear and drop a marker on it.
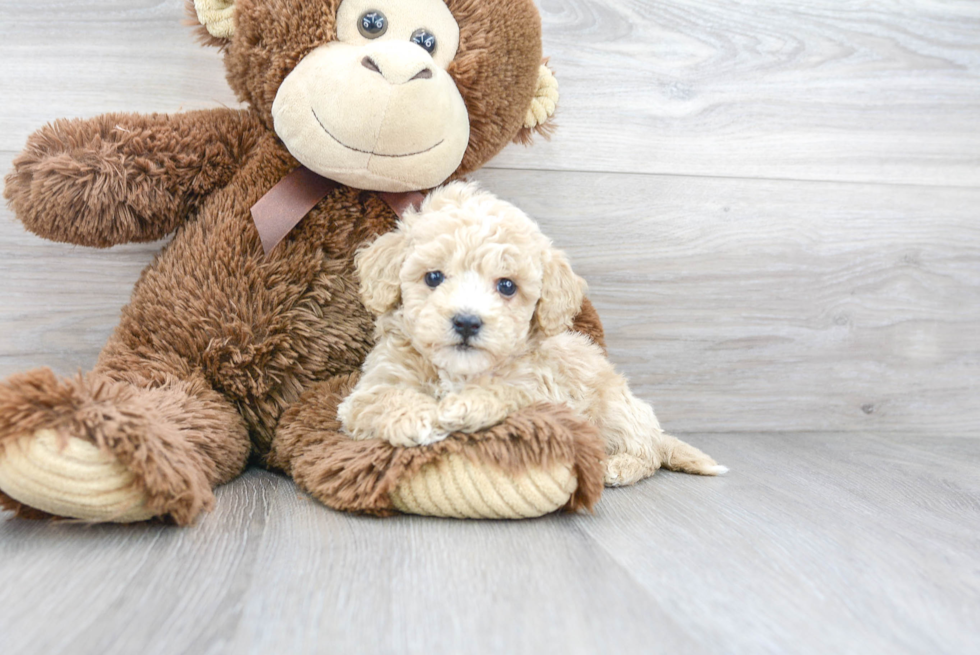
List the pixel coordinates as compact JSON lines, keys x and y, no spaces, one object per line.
{"x":378,"y":267}
{"x":561,"y":295}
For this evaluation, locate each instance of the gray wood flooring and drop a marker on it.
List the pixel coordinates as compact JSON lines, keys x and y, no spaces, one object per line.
{"x":777,"y":207}
{"x":816,"y":543}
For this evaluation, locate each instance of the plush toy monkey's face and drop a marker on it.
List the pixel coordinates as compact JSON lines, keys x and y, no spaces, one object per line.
{"x":385,"y":95}
{"x":400,"y":123}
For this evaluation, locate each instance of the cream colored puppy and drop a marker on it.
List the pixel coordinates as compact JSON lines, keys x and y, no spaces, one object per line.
{"x":474,"y":314}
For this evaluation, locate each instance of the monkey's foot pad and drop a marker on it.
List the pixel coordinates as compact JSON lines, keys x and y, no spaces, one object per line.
{"x":457,"y":487}
{"x":71,"y":478}
{"x":539,"y":460}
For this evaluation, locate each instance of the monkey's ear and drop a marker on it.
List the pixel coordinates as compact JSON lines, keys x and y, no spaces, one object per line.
{"x":561,"y":295}
{"x":538,"y":119}
{"x":217,"y":17}
{"x":378,"y":267}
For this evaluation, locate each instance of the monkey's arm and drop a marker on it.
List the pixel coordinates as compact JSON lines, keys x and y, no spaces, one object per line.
{"x":120,"y":178}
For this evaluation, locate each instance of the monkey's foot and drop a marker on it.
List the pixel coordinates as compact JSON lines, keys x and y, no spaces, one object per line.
{"x":70,"y":477}
{"x":456,"y":487}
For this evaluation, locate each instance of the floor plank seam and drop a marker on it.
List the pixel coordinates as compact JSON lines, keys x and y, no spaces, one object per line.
{"x":517,"y":169}
{"x":576,"y":524}
{"x":735,"y":177}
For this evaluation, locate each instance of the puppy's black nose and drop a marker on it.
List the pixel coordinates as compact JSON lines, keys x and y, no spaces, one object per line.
{"x":466,"y":325}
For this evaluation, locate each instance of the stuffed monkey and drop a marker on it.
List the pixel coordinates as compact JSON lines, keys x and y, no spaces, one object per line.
{"x":227,"y":330}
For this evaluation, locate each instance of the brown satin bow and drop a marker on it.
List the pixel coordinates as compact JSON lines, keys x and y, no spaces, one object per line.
{"x":284,"y":205}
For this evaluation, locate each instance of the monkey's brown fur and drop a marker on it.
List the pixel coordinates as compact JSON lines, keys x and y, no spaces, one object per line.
{"x":220,"y":340}
{"x":359,"y":475}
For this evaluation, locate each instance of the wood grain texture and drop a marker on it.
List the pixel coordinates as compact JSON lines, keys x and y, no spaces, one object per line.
{"x":815,"y":89}
{"x":818,"y":89}
{"x":758,"y":305}
{"x":68,"y":58}
{"x":816,"y":545}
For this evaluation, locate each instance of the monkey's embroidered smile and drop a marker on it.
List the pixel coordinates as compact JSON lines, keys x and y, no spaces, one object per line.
{"x":372,"y":152}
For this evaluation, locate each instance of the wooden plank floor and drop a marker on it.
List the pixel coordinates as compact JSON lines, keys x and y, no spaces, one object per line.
{"x":832,"y":543}
{"x":776,"y":206}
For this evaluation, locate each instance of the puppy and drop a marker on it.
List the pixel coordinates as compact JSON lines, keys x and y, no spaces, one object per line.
{"x":474,"y":314}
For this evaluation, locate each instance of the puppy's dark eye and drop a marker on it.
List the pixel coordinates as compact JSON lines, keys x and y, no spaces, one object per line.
{"x":506,"y":287}
{"x":424,"y":39}
{"x":434,"y":279}
{"x":372,"y":24}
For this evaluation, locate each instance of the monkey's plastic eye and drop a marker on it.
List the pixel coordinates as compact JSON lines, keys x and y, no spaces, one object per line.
{"x":372,"y":24}
{"x":506,"y":287}
{"x":425,"y":40}
{"x":434,"y":279}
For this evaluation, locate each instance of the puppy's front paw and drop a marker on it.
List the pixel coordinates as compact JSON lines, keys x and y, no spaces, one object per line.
{"x":469,"y":412}
{"x":454,"y":412}
{"x":625,"y":469}
{"x":411,"y":427}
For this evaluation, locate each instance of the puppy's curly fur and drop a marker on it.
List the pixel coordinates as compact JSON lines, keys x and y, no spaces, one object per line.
{"x":474,"y":311}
